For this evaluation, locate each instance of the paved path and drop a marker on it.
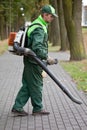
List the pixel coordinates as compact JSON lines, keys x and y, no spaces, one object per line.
{"x":64,"y":114}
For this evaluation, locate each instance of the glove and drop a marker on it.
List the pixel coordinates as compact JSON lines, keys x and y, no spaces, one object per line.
{"x":51,"y":61}
{"x":44,"y":74}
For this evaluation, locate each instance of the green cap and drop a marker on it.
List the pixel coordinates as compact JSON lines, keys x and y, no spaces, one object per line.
{"x":49,"y":9}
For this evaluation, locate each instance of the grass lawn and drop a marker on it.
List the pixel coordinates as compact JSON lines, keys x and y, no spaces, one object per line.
{"x":53,"y":48}
{"x":84,"y":30}
{"x":78,"y":71}
{"x":3,"y":46}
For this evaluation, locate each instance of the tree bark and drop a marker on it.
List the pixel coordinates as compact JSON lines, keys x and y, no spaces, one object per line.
{"x":54,"y":34}
{"x":2,"y":28}
{"x":77,"y":51}
{"x":63,"y":32}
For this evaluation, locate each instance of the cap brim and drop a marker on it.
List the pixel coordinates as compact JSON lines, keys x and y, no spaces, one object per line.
{"x":55,"y":15}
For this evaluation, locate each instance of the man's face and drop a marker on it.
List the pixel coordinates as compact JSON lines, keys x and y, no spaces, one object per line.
{"x":48,"y":17}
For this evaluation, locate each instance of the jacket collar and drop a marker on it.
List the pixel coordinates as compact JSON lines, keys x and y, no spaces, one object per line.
{"x":42,"y":20}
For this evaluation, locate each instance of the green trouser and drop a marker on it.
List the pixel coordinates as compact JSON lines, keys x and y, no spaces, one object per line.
{"x":32,"y":87}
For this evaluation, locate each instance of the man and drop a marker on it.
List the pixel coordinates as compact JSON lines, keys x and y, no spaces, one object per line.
{"x":32,"y":79}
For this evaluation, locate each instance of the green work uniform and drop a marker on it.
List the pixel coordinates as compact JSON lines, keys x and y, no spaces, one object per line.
{"x":32,"y":75}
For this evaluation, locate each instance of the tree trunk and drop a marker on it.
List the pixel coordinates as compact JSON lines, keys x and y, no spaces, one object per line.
{"x":54,"y":35}
{"x":77,"y":51}
{"x":2,"y":29}
{"x":63,"y":32}
{"x":77,"y":11}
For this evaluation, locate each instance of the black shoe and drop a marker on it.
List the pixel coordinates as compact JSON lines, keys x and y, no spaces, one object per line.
{"x":42,"y":112}
{"x":19,"y":113}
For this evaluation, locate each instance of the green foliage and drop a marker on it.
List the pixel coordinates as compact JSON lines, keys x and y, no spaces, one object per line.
{"x":11,"y":15}
{"x":78,"y":71}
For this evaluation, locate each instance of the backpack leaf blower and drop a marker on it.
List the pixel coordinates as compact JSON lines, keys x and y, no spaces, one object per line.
{"x":30,"y":53}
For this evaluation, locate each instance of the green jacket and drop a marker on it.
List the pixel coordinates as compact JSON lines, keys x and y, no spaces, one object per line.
{"x":37,"y":39}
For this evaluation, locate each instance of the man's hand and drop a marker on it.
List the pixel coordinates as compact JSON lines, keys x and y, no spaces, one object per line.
{"x":51,"y":61}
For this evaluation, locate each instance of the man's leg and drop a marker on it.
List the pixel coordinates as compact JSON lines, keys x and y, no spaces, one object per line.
{"x":22,"y":97}
{"x":35,"y":88}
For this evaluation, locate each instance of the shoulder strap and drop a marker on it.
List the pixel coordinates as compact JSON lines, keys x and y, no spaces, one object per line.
{"x":31,"y":29}
{"x":35,"y":24}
